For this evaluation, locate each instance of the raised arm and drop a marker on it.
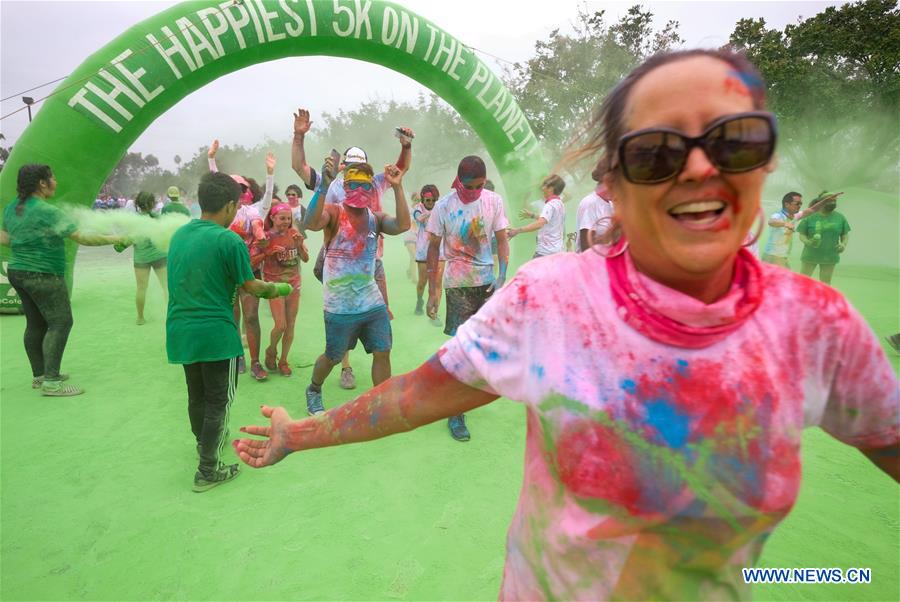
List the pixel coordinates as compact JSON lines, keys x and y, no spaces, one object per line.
{"x":317,"y":218}
{"x":404,"y":161}
{"x":401,"y":222}
{"x":298,"y":151}
{"x":265,"y":203}
{"x":211,"y":156}
{"x":397,"y":405}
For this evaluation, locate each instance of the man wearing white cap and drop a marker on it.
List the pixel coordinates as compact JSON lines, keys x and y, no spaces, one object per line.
{"x":336,"y":195}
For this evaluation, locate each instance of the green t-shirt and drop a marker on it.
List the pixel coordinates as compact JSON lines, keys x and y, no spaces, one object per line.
{"x":37,"y":237}
{"x":831,"y":227}
{"x":207,"y":263}
{"x":145,"y":251}
{"x":175,"y":207}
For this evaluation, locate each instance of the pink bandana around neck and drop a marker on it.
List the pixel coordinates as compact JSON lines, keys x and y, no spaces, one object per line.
{"x":673,"y":318}
{"x":465,"y":195}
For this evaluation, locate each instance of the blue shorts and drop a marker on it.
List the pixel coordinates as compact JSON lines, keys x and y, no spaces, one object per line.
{"x":342,"y":331}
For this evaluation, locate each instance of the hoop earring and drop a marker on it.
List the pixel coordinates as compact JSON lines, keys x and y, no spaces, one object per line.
{"x":761,"y":222}
{"x":620,"y":247}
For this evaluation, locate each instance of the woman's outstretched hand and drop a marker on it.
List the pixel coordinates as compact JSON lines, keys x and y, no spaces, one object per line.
{"x":265,"y":452}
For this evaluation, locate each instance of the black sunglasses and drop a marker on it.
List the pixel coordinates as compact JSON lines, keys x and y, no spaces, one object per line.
{"x":734,"y":144}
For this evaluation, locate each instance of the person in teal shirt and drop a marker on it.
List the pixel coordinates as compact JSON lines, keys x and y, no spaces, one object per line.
{"x":36,"y":231}
{"x":824,"y":236}
{"x":207,"y":265}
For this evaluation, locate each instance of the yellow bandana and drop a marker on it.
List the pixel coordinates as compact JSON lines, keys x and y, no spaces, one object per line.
{"x":357,"y":175}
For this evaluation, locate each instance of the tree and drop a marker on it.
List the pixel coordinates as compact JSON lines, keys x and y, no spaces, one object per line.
{"x":570,"y":74}
{"x":4,"y":152}
{"x":131,"y":169}
{"x":834,"y":83}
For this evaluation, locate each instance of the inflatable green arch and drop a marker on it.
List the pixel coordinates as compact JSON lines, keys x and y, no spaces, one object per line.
{"x":92,"y":119}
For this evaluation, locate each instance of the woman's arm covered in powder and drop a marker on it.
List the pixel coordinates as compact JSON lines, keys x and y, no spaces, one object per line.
{"x":397,"y":405}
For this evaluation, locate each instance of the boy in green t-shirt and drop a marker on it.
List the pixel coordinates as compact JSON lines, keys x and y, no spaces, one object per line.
{"x":207,"y":264}
{"x":824,"y":236}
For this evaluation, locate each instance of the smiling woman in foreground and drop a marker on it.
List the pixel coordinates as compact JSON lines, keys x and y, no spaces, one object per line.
{"x":663,"y":452}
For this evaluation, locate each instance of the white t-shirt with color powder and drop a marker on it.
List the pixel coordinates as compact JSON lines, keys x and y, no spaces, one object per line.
{"x":654,"y":471}
{"x":591,"y":213}
{"x":550,"y":236}
{"x":466,"y":232}
{"x":779,"y":243}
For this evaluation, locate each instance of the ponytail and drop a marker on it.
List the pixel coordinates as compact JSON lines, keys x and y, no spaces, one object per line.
{"x":29,"y":182}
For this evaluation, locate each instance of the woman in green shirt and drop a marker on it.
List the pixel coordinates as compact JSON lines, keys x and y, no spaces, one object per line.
{"x":146,"y":257}
{"x":36,"y":231}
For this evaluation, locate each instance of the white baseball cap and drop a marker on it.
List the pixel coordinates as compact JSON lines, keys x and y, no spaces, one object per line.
{"x":354,"y":154}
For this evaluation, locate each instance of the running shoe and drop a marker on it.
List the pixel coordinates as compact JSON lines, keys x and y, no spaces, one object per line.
{"x":223,"y":474}
{"x":348,"y":381}
{"x":436,"y":322}
{"x":284,"y":368}
{"x":37,"y":381}
{"x":420,"y":306}
{"x":458,"y":430}
{"x":314,"y":405}
{"x":894,"y":341}
{"x":55,"y":388}
{"x":271,"y":359}
{"x":257,"y":371}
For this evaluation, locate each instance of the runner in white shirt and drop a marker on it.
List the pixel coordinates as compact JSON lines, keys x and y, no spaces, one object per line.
{"x":594,"y":216}
{"x":781,"y":227}
{"x":551,"y":223}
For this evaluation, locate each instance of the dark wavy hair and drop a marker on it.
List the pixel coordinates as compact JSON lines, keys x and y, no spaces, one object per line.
{"x":432,"y":189}
{"x":296,"y":189}
{"x":217,"y":190}
{"x":255,"y":190}
{"x":144,"y":201}
{"x":29,"y":181}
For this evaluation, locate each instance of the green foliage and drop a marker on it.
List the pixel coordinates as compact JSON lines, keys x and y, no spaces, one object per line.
{"x":4,"y":152}
{"x":834,"y":82}
{"x":570,"y":73}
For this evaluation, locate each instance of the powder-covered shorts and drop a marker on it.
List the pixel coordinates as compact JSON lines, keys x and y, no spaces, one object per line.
{"x":342,"y":331}
{"x":463,"y":303}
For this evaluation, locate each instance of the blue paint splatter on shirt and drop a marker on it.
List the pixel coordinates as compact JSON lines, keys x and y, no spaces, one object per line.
{"x":672,"y":426}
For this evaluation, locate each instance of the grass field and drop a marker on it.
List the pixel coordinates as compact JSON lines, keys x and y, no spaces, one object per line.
{"x":97,"y":505}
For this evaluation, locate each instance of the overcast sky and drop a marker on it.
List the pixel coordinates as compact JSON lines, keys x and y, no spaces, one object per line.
{"x":42,"y":41}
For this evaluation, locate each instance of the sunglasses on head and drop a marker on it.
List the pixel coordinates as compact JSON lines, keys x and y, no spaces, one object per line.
{"x":734,"y":144}
{"x":364,"y":185}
